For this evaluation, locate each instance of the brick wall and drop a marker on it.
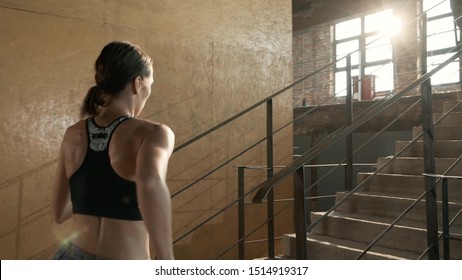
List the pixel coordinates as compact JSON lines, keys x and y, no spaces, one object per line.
{"x":312,"y":50}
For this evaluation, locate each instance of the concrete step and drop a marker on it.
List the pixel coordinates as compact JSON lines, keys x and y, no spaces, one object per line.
{"x":443,"y":148}
{"x":410,"y":186}
{"x":454,"y":118}
{"x":347,"y":231}
{"x":345,"y":237}
{"x":442,"y":132}
{"x":415,"y":165}
{"x":366,"y":228}
{"x":321,"y":247}
{"x":392,"y":207}
{"x":448,"y":105}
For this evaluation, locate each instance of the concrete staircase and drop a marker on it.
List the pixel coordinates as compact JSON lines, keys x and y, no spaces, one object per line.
{"x":347,"y":231}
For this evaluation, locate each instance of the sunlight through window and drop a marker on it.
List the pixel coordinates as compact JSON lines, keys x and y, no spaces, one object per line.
{"x":384,"y":22}
{"x":442,"y":37}
{"x":348,"y":29}
{"x":373,"y":44}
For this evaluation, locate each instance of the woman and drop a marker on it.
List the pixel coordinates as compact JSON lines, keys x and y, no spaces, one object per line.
{"x":111,"y":174}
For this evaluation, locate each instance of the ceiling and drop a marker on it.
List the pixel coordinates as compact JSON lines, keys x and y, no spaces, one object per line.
{"x":307,"y":13}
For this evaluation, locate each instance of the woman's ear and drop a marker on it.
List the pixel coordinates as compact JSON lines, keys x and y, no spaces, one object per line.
{"x":136,"y":85}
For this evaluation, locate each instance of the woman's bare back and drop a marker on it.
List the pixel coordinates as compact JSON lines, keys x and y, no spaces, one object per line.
{"x":105,"y":237}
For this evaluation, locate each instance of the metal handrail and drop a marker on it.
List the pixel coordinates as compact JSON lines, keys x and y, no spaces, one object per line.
{"x":263,"y":168}
{"x":399,"y":218}
{"x":441,"y":234}
{"x":370,"y":177}
{"x":446,"y":223}
{"x":269,"y":184}
{"x":374,"y":112}
{"x":238,"y":154}
{"x":363,"y":145}
{"x":397,"y":154}
{"x":410,"y":207}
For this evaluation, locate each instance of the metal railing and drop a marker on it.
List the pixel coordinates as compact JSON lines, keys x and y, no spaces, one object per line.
{"x":294,"y":168}
{"x":445,"y":209}
{"x":242,"y":195}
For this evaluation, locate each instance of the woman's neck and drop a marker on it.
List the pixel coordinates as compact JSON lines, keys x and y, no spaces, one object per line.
{"x":117,"y":107}
{"x":110,"y":113}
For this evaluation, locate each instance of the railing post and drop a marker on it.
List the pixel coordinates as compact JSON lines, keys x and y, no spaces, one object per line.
{"x":429,"y":151}
{"x":460,"y":60}
{"x":445,"y":198}
{"x":362,"y":60}
{"x":269,"y":175}
{"x":299,"y":215}
{"x":241,"y":213}
{"x":349,"y":120}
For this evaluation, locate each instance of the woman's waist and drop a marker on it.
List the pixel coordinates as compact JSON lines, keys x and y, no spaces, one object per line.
{"x":111,"y":238}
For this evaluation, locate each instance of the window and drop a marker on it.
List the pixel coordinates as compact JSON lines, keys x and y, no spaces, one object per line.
{"x":368,"y":39}
{"x":442,"y":37}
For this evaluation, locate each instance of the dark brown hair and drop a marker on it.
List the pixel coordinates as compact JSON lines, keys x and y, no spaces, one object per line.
{"x":117,"y":65}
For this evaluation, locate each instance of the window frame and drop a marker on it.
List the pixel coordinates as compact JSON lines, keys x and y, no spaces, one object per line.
{"x":443,"y":50}
{"x":362,"y":64}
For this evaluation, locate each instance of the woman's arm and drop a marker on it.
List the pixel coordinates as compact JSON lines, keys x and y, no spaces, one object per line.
{"x":61,"y":206}
{"x":152,"y":191}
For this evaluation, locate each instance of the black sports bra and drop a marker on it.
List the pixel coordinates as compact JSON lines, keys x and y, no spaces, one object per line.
{"x":96,"y":189}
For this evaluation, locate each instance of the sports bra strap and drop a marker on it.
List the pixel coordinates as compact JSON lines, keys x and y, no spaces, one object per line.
{"x":99,"y":137}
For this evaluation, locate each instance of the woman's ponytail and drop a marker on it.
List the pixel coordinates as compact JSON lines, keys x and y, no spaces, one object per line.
{"x":92,"y":102}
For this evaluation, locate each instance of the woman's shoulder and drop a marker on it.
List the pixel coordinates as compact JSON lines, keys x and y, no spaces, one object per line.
{"x":74,"y":134}
{"x":76,"y":128}
{"x":154,"y":131}
{"x":148,"y":126}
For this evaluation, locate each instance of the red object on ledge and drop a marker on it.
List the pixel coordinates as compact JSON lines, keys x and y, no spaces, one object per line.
{"x":367,"y":87}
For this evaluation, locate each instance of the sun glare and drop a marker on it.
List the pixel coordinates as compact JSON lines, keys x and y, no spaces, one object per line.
{"x":393,"y":28}
{"x":384,"y":22}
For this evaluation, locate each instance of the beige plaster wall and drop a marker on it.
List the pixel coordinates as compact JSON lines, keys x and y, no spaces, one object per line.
{"x":212,"y":59}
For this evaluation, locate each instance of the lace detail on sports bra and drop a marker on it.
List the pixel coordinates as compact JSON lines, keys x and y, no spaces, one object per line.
{"x":99,"y":136}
